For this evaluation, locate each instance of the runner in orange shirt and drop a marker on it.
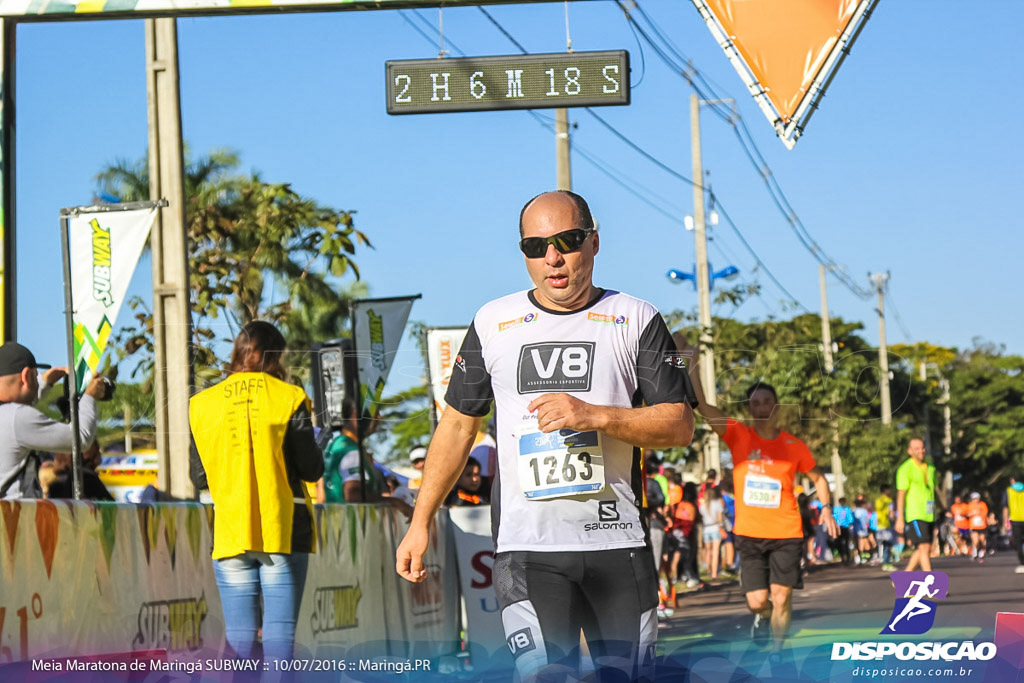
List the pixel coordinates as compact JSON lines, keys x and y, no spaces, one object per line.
{"x":958,"y":510}
{"x":977,"y":516}
{"x":769,"y":533}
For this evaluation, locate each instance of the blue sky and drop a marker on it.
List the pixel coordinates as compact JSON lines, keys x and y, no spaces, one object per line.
{"x":912,"y":164}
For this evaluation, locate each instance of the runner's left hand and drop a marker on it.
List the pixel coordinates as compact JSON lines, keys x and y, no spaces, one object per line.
{"x":830,"y":523}
{"x":562,"y":411}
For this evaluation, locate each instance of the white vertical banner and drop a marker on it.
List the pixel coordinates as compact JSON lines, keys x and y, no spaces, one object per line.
{"x":377,"y":325}
{"x":474,"y":547}
{"x":104,"y":248}
{"x":443,"y":344}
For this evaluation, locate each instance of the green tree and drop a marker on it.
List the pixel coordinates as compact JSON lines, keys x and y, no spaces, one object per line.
{"x":248,"y":240}
{"x":987,"y":409}
{"x":787,"y":354}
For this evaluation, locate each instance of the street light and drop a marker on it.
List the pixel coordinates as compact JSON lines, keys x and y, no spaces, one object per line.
{"x":677,"y":276}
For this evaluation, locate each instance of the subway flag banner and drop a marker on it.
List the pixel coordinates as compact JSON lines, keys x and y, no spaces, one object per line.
{"x":105,"y":247}
{"x":443,"y":344}
{"x":377,"y":327}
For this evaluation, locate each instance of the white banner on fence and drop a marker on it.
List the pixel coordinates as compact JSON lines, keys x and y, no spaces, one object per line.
{"x":104,"y":247}
{"x":443,"y":344}
{"x":378,"y":325}
{"x":475,"y":549}
{"x":79,"y":579}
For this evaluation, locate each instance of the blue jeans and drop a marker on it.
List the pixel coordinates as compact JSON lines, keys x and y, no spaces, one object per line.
{"x":280,"y":578}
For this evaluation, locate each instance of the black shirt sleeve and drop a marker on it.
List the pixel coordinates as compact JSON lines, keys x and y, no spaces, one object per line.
{"x":660,"y":370}
{"x":300,"y":447}
{"x":196,"y":471}
{"x":469,"y":389}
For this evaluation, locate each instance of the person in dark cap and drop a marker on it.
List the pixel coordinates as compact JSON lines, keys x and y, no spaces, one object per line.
{"x":27,"y":430}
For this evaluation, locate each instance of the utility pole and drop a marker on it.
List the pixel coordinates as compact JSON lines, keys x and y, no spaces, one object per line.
{"x":562,"y":164}
{"x":712,"y":459}
{"x":826,"y":337}
{"x":172,"y":365}
{"x":947,"y":435}
{"x":880,"y":280}
{"x":927,"y":412}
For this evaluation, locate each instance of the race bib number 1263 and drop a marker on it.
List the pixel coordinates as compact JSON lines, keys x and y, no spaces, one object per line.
{"x":562,"y":463}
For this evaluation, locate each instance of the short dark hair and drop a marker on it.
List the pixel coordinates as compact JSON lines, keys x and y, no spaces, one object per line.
{"x":586,"y":218}
{"x":762,"y":385}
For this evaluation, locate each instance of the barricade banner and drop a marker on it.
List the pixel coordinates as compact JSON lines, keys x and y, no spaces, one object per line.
{"x":341,"y":605}
{"x":443,"y":344}
{"x":104,"y":248}
{"x":475,"y":550}
{"x":83,"y":579}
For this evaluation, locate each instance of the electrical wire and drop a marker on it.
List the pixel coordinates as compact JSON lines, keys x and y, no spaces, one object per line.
{"x":899,"y":318}
{"x":435,"y":29}
{"x":760,"y":264}
{"x":503,"y":31}
{"x":638,"y":149}
{"x":672,"y":57}
{"x":409,"y":21}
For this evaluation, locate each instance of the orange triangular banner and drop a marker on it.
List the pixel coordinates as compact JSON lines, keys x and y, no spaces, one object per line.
{"x":47,"y":525}
{"x":785,"y":50}
{"x":10,"y":512}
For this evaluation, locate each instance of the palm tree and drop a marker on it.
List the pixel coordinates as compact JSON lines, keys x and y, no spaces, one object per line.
{"x":247,"y":237}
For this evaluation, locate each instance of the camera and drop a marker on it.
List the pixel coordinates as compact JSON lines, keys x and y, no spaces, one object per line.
{"x":108,"y":388}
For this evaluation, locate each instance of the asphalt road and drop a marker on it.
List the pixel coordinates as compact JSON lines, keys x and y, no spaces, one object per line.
{"x":837,"y":604}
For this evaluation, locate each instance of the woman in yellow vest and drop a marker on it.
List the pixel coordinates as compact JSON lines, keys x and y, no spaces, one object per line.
{"x":254,"y":437}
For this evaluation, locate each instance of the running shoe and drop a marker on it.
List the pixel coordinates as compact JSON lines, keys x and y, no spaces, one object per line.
{"x":761,"y":630}
{"x":782,"y":666}
{"x":891,"y":568}
{"x":692,"y":583}
{"x":1019,"y":569}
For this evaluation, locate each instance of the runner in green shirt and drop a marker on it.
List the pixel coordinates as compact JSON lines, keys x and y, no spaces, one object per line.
{"x":915,"y":504}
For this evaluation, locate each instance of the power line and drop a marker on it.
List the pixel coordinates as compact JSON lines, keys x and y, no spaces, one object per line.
{"x":503,"y":31}
{"x":691,"y":74}
{"x":409,"y":21}
{"x":637,"y":148}
{"x":899,"y":319}
{"x":665,"y":167}
{"x":732,"y":224}
{"x":674,"y":217}
{"x":436,"y":30}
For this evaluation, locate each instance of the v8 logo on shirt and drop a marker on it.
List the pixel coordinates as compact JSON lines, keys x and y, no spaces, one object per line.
{"x":556,"y":366}
{"x":521,"y":641}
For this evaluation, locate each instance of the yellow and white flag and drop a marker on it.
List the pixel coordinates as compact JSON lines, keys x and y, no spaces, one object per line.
{"x":104,"y":248}
{"x":377,"y":327}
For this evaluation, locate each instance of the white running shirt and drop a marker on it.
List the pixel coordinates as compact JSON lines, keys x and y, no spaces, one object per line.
{"x":566,"y":491}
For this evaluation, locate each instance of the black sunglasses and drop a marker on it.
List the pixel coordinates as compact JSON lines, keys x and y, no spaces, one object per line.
{"x":565,"y":242}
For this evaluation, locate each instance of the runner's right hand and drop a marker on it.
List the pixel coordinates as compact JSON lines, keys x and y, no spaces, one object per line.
{"x":409,"y":557}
